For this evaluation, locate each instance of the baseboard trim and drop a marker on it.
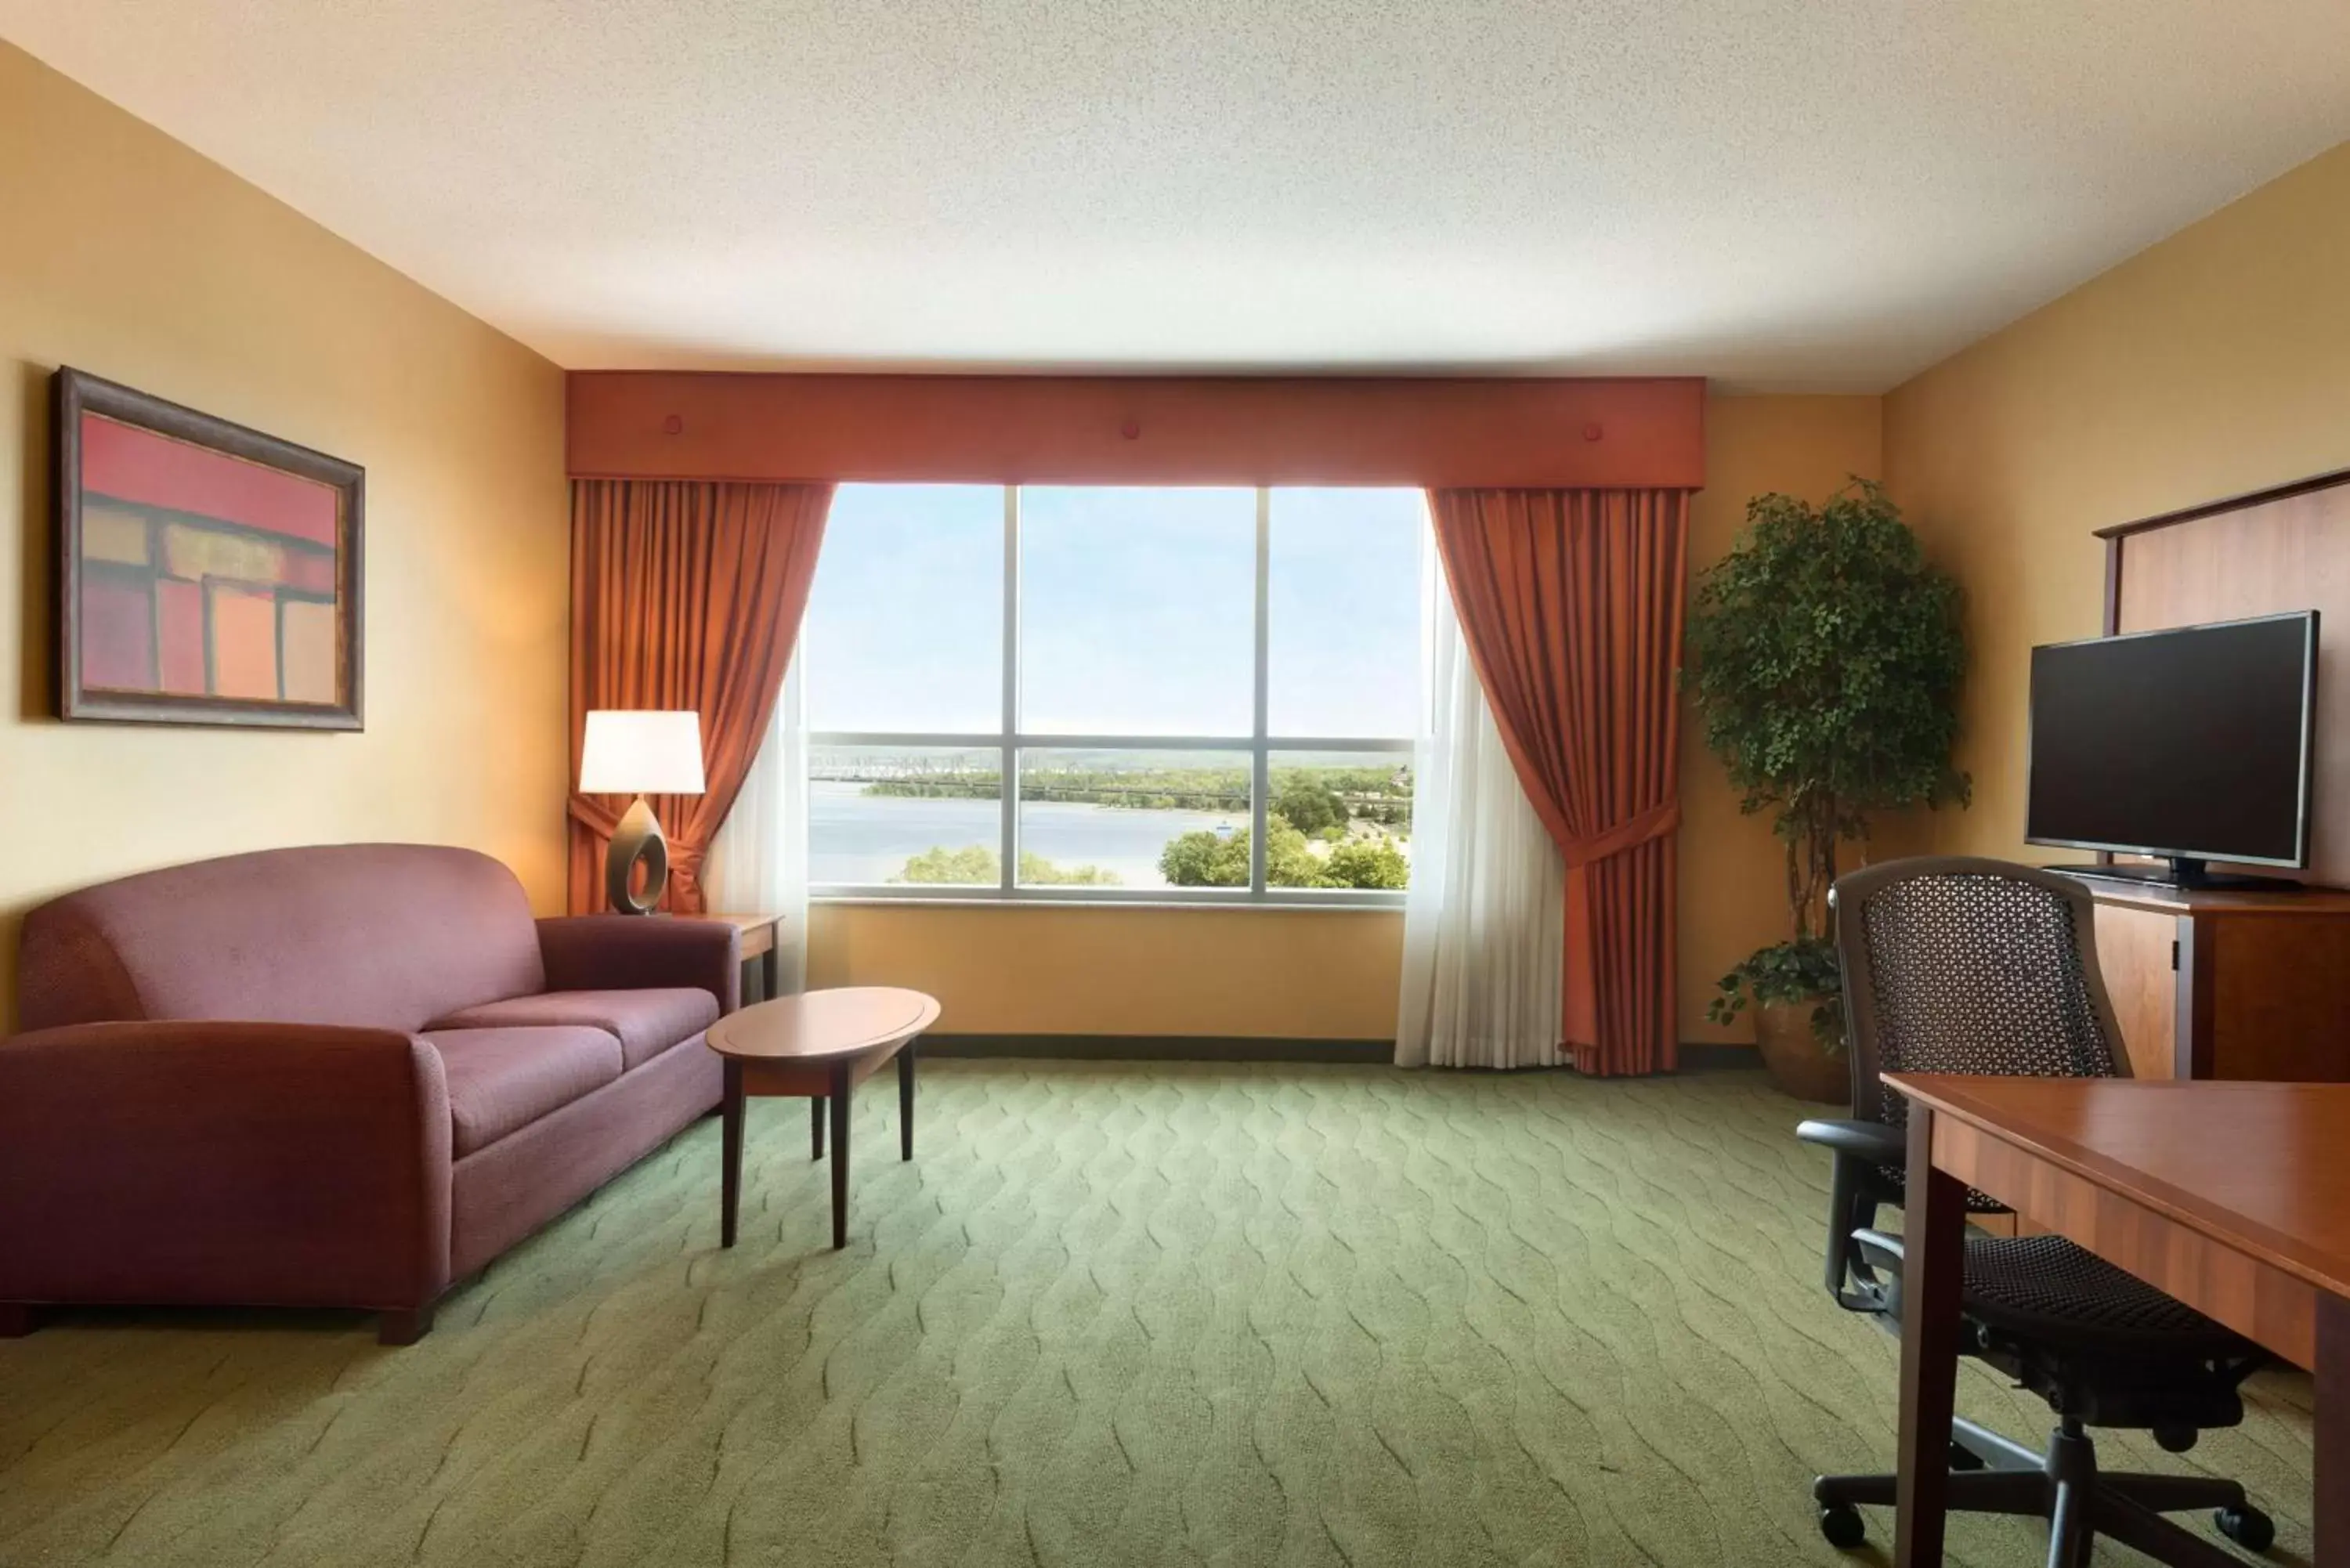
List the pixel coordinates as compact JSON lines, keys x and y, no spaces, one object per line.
{"x":1694,"y":1058}
{"x":1160,"y":1048}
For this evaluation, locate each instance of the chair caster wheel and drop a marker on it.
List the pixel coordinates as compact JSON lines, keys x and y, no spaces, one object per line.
{"x":2176,"y":1439}
{"x":2248,"y":1527}
{"x":1963,"y":1458}
{"x":1842,"y":1524}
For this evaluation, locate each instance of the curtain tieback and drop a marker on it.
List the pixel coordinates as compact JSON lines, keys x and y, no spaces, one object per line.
{"x":684,"y":854}
{"x":595,"y":818}
{"x":1629,"y":834}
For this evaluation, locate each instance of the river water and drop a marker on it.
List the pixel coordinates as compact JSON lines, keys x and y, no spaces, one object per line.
{"x":855,"y":838}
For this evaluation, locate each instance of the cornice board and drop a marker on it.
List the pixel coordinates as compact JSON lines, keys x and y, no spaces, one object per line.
{"x":1078,"y":430}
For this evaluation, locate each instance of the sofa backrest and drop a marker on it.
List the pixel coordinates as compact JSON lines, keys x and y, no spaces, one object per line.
{"x":382,"y":936}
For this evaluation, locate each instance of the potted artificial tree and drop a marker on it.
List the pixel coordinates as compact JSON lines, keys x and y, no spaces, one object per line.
{"x":1824,"y":657}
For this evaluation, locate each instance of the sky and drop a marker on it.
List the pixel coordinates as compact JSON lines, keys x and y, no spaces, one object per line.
{"x":1138,"y":610}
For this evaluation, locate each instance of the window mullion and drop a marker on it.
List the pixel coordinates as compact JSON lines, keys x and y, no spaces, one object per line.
{"x":1261,"y":763}
{"x":1009,"y":750}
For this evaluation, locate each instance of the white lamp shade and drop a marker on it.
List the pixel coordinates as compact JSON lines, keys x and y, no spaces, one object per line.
{"x":641,"y":753}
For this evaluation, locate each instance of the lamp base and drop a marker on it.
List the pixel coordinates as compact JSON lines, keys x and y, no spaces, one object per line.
{"x":638,"y":838}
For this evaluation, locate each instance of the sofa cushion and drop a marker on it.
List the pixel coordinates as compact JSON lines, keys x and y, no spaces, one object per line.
{"x":646,"y":1023}
{"x":502,"y":1080}
{"x":382,"y":936}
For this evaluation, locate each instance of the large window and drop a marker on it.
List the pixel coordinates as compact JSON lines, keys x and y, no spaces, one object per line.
{"x":1065,"y":692}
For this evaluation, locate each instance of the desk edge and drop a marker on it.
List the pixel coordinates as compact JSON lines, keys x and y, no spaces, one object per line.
{"x":2174,"y":1204}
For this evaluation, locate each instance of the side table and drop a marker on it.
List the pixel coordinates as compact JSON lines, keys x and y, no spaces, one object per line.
{"x":819,"y":1044}
{"x":762,"y":947}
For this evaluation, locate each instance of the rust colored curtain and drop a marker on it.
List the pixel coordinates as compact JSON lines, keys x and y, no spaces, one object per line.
{"x":1571,"y":602}
{"x":684,"y":593}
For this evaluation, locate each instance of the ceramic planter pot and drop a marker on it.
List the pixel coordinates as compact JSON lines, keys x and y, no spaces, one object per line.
{"x":1799,"y":1064}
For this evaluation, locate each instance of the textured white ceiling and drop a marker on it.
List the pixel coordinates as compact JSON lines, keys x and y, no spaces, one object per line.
{"x":1797,"y":193}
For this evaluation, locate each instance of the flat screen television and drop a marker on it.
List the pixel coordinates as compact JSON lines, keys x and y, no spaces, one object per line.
{"x":2189,"y":746}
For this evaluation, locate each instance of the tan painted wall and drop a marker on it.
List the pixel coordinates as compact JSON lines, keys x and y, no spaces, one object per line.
{"x":1304,"y":974}
{"x":125,"y":253}
{"x":1311,"y":974}
{"x":2215,"y":362}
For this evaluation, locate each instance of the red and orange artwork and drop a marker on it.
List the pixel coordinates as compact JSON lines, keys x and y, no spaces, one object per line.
{"x":207,"y":584}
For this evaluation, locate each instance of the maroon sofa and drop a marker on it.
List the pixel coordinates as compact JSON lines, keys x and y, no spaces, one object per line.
{"x":334,"y":1076}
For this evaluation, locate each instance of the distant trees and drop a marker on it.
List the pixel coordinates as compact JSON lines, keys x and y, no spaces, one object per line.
{"x":1141,"y":789}
{"x":1315,"y":798}
{"x":1205,"y":859}
{"x":1381,"y":795}
{"x":1368,"y":863}
{"x":1036,"y":871}
{"x":943,"y":784}
{"x":1311,"y":806}
{"x":1326,"y":826}
{"x":1132,"y":789}
{"x":978,"y":865}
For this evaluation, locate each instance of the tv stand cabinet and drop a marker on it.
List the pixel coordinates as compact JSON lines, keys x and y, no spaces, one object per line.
{"x":2210,"y":984}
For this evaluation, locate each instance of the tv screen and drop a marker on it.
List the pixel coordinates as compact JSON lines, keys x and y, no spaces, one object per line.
{"x":2193,"y":744}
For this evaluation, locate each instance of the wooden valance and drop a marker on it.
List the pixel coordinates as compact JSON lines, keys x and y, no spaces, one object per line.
{"x":1562,"y":432}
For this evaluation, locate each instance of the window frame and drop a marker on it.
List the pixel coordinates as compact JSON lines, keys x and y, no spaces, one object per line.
{"x":1010,"y":743}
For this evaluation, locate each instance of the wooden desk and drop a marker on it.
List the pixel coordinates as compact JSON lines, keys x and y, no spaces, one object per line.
{"x":2234,"y":1198}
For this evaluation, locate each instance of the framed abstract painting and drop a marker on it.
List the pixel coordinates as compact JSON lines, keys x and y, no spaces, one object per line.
{"x":207,"y":574}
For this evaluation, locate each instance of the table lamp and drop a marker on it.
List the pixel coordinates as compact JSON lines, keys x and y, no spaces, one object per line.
{"x":639,"y":753}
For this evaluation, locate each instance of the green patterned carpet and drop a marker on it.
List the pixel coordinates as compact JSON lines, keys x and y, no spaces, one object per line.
{"x":1150,"y":1315}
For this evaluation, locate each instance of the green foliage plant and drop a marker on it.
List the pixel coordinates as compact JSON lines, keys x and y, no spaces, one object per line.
{"x":1825,"y":656}
{"x":1804,"y":969}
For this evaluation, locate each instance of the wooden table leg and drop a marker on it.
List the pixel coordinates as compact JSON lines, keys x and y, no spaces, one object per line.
{"x":771,"y":968}
{"x":2330,"y":1484}
{"x":815,"y":1126}
{"x":839,"y":1098}
{"x":1933,"y":1225}
{"x":906,"y":1100}
{"x":729,"y":1180}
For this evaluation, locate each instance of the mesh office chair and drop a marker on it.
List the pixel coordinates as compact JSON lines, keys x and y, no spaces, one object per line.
{"x":1961,"y":965}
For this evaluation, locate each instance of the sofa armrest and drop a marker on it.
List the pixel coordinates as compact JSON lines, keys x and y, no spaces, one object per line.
{"x":633,"y":952}
{"x":255,"y":1164}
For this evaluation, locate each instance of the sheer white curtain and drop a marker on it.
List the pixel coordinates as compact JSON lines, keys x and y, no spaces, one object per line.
{"x":1485,"y":921}
{"x":758,"y":862}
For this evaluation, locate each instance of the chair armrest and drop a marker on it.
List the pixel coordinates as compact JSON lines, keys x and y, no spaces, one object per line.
{"x":1878,"y":1258}
{"x":1862,"y":1149}
{"x":1882,"y":1250}
{"x":1872,"y":1141}
{"x":635,"y":953}
{"x":258,"y":1164}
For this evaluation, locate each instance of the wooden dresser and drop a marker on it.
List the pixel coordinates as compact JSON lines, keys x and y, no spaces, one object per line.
{"x":2228,"y":984}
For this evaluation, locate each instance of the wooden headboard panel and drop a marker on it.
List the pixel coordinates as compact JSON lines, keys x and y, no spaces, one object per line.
{"x":2265,"y":554}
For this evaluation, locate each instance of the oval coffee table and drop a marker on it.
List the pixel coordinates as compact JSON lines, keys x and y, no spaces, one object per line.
{"x":821,"y":1045}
